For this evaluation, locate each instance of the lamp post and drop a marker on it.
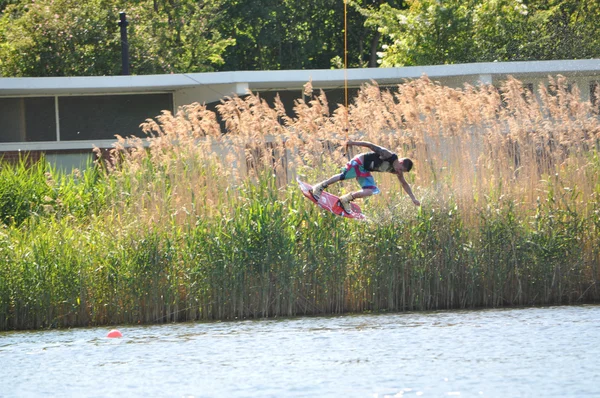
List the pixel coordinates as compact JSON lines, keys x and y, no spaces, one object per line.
{"x":124,"y":44}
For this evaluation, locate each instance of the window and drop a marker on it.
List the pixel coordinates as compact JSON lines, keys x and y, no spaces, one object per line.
{"x":27,"y":119}
{"x":104,"y":116}
{"x":287,"y":97}
{"x":337,"y":96}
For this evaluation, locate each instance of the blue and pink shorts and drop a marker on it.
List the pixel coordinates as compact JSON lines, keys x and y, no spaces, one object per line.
{"x":355,"y":169}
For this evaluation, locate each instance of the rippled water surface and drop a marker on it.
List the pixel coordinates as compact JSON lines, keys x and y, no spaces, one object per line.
{"x":539,"y":352}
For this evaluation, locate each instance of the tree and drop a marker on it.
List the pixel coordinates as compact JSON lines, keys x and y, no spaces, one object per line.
{"x":501,"y":31}
{"x":294,"y":34}
{"x":40,"y":39}
{"x":563,"y":29}
{"x":434,"y":32}
{"x":370,"y":11}
{"x":177,"y":36}
{"x":428,"y":32}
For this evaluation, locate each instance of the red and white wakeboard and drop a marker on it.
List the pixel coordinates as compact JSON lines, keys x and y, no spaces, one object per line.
{"x":331,"y":202}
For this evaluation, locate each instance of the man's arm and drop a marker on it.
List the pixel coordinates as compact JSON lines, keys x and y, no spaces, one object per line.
{"x":383,"y":153}
{"x":406,"y":187}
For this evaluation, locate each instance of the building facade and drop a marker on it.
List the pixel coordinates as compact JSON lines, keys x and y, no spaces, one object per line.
{"x":66,"y":117}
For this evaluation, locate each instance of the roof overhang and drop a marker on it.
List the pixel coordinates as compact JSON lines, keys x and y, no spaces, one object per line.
{"x":290,"y":79}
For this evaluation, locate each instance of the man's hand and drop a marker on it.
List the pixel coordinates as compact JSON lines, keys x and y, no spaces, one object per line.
{"x":416,"y":202}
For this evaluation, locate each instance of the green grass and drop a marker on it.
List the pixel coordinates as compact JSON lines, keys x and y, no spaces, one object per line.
{"x":273,"y":253}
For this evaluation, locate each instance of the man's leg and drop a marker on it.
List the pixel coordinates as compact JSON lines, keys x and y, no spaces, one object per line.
{"x":318,"y":189}
{"x":349,"y":197}
{"x":368,"y":188}
{"x":363,"y":193}
{"x":349,"y":171}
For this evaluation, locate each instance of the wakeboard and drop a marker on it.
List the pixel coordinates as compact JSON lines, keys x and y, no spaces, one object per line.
{"x":331,"y":202}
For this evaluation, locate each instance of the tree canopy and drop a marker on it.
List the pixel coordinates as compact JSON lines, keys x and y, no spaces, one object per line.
{"x":41,"y":39}
{"x":430,"y":32}
{"x":74,"y":38}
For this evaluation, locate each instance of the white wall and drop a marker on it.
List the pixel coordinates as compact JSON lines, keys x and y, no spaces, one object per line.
{"x":69,"y":161}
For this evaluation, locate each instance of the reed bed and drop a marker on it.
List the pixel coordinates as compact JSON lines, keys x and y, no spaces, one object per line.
{"x":193,"y":224}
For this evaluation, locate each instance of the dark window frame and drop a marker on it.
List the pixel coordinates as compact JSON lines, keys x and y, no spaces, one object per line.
{"x":28,"y":119}
{"x":79,"y":115}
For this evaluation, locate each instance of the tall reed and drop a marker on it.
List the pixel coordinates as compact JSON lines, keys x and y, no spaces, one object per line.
{"x":194,"y":224}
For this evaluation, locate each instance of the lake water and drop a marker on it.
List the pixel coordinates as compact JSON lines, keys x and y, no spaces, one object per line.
{"x":533,"y":352}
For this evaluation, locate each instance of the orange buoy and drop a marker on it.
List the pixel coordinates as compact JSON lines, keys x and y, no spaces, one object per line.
{"x":114,"y":334}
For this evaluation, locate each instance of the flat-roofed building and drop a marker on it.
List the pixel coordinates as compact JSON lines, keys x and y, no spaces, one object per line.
{"x":66,"y":117}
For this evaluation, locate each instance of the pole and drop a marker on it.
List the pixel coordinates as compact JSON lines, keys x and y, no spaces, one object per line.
{"x":346,"y":123}
{"x":346,"y":64}
{"x":124,"y":44}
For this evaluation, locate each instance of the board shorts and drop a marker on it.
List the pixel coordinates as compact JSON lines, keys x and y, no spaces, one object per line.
{"x":355,"y":169}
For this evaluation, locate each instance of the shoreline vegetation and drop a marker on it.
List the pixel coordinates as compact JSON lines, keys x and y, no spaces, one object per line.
{"x":190,"y":224}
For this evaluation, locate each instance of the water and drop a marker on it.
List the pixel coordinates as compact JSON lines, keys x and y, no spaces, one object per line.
{"x":550,"y":352}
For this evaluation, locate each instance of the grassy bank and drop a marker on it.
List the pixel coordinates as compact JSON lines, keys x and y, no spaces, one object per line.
{"x":194,"y":225}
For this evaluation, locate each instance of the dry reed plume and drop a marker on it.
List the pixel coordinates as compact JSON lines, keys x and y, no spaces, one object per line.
{"x":466,"y":143}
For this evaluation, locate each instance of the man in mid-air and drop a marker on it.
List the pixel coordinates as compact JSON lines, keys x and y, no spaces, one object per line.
{"x":360,"y":167}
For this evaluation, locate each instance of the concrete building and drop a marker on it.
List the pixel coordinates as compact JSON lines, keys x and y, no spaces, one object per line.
{"x":65,"y":117}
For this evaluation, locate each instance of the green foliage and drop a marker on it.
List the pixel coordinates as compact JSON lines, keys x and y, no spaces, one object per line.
{"x":563,"y":29}
{"x":501,"y":31}
{"x":503,"y":253}
{"x":5,"y":3}
{"x":42,"y":39}
{"x":293,"y":34}
{"x":428,"y":32}
{"x":59,"y":38}
{"x":23,"y":191}
{"x":33,"y":190}
{"x":432,"y":32}
{"x":557,"y":231}
{"x":176,"y":37}
{"x":272,"y":253}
